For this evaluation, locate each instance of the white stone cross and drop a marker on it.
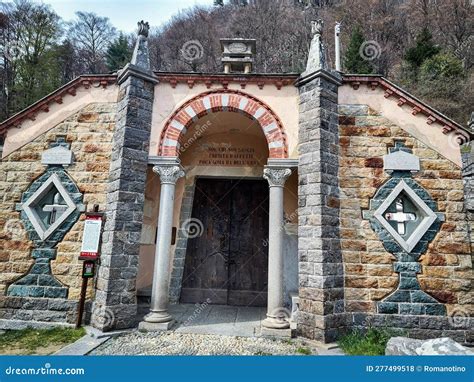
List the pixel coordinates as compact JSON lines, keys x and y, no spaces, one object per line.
{"x":55,"y":209}
{"x":400,"y":217}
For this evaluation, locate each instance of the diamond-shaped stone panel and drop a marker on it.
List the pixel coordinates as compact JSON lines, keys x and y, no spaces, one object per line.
{"x":424,"y":219}
{"x":49,"y":209}
{"x":62,"y":206}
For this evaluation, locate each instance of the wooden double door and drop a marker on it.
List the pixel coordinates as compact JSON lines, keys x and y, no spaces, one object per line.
{"x":228,"y":262}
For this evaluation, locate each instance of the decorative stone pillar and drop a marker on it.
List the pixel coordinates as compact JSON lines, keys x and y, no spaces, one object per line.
{"x":115,"y":304}
{"x":321,"y":275}
{"x":276,"y":313}
{"x":468,"y":179}
{"x":159,"y":318}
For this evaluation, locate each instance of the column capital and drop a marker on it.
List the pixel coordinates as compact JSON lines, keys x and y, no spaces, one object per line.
{"x":276,"y":177}
{"x":169,"y":174}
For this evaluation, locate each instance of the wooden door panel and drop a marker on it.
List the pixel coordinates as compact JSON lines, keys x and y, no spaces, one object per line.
{"x":248,"y":253}
{"x":228,"y":262}
{"x":205,"y":271}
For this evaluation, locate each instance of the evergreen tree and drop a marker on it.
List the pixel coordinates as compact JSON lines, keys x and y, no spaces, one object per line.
{"x":442,"y":82}
{"x":443,"y":66}
{"x":424,"y":49}
{"x":118,"y":53}
{"x":219,"y":3}
{"x":354,"y":62}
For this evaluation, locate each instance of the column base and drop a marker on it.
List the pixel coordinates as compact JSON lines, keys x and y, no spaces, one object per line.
{"x":275,"y":323}
{"x":155,"y":326}
{"x":277,"y":333}
{"x":155,"y":317}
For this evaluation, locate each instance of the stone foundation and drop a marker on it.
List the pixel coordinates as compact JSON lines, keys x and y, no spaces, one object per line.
{"x":421,"y":327}
{"x":20,"y":312}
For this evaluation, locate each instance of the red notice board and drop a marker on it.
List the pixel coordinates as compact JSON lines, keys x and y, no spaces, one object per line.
{"x":91,"y":237}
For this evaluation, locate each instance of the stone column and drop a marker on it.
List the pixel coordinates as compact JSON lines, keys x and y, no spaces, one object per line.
{"x":115,"y":304}
{"x":159,"y":318}
{"x":468,"y":179}
{"x":276,"y":313}
{"x":321,"y":273}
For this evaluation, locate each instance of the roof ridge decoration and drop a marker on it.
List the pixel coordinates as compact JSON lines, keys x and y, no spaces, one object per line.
{"x":221,"y":79}
{"x":402,"y":97}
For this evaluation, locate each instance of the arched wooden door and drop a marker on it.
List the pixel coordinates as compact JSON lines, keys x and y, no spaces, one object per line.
{"x":228,"y":262}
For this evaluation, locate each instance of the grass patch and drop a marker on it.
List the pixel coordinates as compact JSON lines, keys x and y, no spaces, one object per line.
{"x":304,"y":351}
{"x":38,"y":341}
{"x":372,"y":342}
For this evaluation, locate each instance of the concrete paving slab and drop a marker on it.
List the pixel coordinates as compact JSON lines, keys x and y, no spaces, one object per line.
{"x":82,"y":346}
{"x":222,"y":320}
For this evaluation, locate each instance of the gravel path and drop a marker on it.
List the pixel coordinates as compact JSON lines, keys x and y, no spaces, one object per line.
{"x":172,"y":343}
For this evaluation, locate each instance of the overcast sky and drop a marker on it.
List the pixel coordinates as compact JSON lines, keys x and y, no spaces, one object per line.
{"x":124,"y":14}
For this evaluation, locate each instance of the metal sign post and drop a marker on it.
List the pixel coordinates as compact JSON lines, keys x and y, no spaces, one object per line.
{"x":88,"y":271}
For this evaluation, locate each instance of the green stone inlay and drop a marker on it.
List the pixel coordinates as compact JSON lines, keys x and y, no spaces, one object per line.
{"x":40,"y":282}
{"x":408,"y":299}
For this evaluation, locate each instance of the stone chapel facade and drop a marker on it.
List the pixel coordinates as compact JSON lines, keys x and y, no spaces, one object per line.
{"x":340,"y":196}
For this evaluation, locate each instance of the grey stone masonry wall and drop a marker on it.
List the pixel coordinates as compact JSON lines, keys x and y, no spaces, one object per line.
{"x":115,"y":304}
{"x":321,"y":277}
{"x":416,"y":326}
{"x":22,"y":312}
{"x":468,"y":179}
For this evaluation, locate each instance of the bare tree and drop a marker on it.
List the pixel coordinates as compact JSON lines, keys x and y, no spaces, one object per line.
{"x":91,"y":35}
{"x":455,"y":22}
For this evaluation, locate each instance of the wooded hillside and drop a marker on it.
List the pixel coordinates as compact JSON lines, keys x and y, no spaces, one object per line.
{"x":425,"y":46}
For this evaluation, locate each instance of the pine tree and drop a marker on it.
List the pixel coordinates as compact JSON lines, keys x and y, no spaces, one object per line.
{"x":219,"y":3}
{"x":354,"y":62}
{"x":425,"y":48}
{"x":118,"y":53}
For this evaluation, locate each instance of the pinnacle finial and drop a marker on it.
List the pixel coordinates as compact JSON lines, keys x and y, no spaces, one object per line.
{"x":141,"y":57}
{"x":316,"y":55}
{"x":143,"y":28}
{"x":317,"y":27}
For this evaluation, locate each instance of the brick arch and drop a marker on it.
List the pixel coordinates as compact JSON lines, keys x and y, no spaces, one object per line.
{"x":223,"y":100}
